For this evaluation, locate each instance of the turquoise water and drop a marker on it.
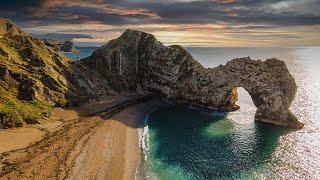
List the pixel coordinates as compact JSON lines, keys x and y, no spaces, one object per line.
{"x":187,"y":144}
{"x":182,"y":143}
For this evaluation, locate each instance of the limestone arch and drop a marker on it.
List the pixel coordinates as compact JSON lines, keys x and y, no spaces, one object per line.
{"x":270,"y":85}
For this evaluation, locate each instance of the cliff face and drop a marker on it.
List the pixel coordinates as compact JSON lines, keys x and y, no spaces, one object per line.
{"x":34,"y":77}
{"x":137,"y":61}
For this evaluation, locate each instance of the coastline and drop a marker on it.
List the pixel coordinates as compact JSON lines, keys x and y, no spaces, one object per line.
{"x":119,"y":155}
{"x":142,"y":169}
{"x":78,"y":146}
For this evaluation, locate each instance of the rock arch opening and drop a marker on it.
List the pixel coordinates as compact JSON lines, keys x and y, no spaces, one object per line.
{"x":247,"y":109}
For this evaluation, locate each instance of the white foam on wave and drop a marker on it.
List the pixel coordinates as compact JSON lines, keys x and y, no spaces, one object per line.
{"x":144,"y":143}
{"x":144,"y":138}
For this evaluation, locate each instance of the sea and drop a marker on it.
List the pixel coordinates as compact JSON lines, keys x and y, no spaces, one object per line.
{"x":180,"y":142}
{"x":83,"y":53}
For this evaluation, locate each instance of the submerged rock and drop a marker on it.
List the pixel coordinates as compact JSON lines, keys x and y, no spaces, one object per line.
{"x":137,"y":60}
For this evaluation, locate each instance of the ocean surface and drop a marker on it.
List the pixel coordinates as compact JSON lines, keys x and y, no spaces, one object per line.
{"x":83,"y":52}
{"x":182,"y":143}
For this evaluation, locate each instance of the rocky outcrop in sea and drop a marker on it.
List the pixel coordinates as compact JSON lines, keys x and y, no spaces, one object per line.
{"x":63,"y":46}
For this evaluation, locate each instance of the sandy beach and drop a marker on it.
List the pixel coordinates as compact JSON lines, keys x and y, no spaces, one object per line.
{"x":112,"y":151}
{"x":19,"y":138}
{"x":74,"y":144}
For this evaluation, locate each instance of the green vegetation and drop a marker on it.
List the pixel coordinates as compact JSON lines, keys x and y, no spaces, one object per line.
{"x":14,"y":112}
{"x":31,"y":78}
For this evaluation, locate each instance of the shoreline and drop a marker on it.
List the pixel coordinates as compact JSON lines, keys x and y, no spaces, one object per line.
{"x":119,"y":156}
{"x":105,"y":145}
{"x":144,"y":148}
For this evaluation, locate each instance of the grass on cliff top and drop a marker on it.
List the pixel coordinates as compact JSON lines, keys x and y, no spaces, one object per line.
{"x":28,"y":59}
{"x":14,"y":112}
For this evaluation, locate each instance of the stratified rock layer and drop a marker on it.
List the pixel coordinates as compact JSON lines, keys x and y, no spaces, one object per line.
{"x":137,"y":61}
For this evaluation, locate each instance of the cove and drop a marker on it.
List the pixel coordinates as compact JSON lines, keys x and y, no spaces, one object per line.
{"x":188,"y":144}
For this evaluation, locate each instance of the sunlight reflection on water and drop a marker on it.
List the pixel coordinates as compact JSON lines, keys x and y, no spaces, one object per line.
{"x":298,"y":153}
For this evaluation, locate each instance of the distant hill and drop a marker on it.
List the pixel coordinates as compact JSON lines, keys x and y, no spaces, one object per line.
{"x":61,"y":36}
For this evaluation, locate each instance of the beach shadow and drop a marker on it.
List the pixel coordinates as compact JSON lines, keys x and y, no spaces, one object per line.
{"x":135,"y":115}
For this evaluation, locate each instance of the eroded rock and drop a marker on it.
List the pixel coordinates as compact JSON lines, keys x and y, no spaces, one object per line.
{"x":136,"y":60}
{"x":64,"y":46}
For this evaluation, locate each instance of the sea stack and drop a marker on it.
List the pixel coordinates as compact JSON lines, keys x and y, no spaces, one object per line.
{"x":138,"y":61}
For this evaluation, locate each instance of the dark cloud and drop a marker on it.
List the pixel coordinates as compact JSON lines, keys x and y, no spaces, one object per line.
{"x":122,"y":12}
{"x":249,"y":12}
{"x":18,"y":5}
{"x":45,"y":12}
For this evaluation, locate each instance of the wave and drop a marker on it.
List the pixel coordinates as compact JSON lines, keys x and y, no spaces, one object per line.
{"x":142,"y":169}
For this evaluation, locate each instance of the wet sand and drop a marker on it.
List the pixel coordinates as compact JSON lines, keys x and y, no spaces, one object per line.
{"x":75,"y":146}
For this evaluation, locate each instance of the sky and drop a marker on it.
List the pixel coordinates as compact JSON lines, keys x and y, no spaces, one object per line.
{"x":211,"y":23}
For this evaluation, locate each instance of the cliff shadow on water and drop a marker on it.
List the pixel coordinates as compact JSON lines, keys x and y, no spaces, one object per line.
{"x":206,"y":147}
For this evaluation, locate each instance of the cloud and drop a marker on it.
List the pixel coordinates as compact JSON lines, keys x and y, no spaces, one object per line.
{"x":275,"y":12}
{"x":62,"y":11}
{"x":224,"y":1}
{"x":228,"y":17}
